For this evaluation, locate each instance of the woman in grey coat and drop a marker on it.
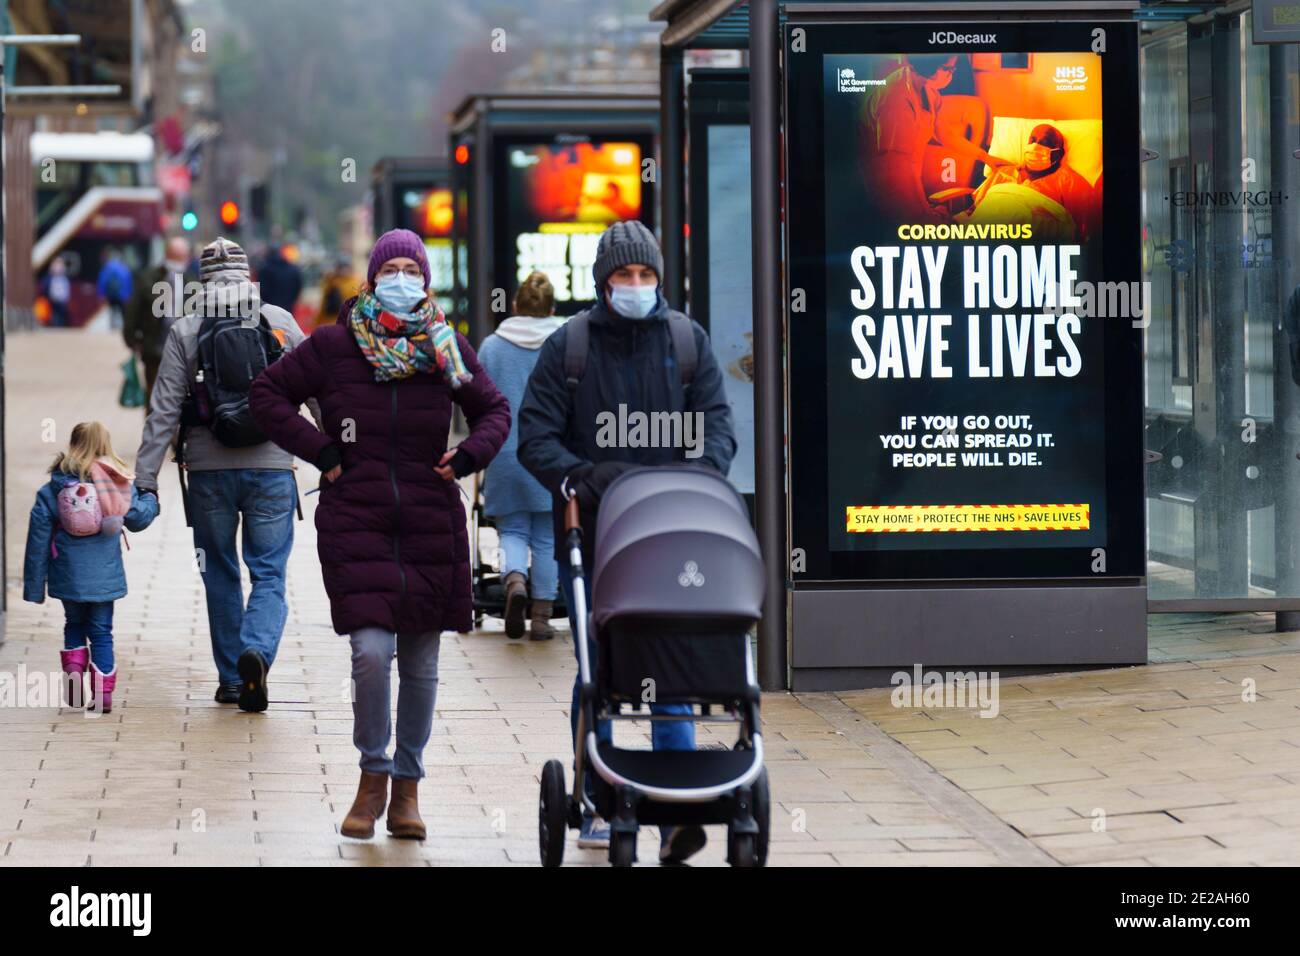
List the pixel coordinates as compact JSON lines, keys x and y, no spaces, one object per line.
{"x":518,"y":504}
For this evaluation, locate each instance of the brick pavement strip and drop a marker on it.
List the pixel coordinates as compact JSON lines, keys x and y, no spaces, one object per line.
{"x":1182,"y":768}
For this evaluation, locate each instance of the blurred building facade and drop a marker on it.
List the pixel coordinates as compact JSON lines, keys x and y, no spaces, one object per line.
{"x":145,"y":47}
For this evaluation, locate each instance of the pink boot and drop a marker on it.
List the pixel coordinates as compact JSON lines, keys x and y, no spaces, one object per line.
{"x":101,"y":689}
{"x":74,"y":664}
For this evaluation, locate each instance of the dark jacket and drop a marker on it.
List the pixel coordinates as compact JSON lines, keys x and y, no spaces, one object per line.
{"x":392,"y":539}
{"x":629,"y":363}
{"x":86,"y":568}
{"x":279,"y":281}
{"x":141,"y":328}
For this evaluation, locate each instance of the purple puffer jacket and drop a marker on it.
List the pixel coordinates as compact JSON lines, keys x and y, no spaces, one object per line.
{"x":391,"y":534}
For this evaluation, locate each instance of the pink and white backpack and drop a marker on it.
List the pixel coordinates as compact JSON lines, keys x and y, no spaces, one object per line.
{"x":80,"y":513}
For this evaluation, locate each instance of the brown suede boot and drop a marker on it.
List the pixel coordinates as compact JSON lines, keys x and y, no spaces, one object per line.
{"x":539,"y":628}
{"x":372,"y":796}
{"x":516,"y":602}
{"x":404,"y":812}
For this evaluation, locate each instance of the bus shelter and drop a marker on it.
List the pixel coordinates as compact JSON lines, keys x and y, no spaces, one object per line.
{"x":536,"y":179}
{"x":919,"y":500}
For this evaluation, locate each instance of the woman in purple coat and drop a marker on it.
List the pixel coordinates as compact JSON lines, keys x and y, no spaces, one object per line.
{"x":392,"y":536}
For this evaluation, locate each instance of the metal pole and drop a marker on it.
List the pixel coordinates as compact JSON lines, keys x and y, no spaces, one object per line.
{"x":1286,"y":395}
{"x":769,"y":409}
{"x":4,"y":322}
{"x":40,"y":39}
{"x":107,"y":89}
{"x":672,"y":161}
{"x":481,"y":250}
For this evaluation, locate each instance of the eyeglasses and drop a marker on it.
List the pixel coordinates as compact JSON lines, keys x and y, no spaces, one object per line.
{"x":411,"y":272}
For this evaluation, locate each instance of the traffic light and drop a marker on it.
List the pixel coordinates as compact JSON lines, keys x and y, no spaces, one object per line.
{"x":230,"y":214}
{"x":189,"y":221}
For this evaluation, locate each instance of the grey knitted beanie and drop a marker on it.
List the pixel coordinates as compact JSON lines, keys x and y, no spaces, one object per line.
{"x":623,"y":244}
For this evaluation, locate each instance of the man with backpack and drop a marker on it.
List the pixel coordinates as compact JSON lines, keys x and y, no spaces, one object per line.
{"x":208,"y":363}
{"x":628,"y":356}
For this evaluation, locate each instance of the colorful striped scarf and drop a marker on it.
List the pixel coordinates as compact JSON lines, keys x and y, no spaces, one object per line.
{"x":399,"y":344}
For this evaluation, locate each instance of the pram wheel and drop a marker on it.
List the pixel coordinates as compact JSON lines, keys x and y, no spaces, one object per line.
{"x":762,"y":798}
{"x":551,"y":814}
{"x":742,"y":849}
{"x":622,"y":848}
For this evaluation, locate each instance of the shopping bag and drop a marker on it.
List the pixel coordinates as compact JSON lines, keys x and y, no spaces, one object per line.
{"x":132,"y":395}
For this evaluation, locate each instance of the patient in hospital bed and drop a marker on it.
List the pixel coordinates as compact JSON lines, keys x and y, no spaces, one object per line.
{"x":1045,"y":191}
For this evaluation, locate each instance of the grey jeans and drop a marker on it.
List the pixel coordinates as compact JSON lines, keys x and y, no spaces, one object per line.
{"x":372,"y":710}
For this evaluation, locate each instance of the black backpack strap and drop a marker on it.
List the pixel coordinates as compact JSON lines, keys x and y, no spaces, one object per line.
{"x":684,"y":353}
{"x":575,"y":350}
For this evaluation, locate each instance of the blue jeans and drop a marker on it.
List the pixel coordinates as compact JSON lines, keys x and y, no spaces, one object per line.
{"x":265,"y":502}
{"x":90,"y":622}
{"x":372,"y":711}
{"x":521,"y":531}
{"x":664,"y":735}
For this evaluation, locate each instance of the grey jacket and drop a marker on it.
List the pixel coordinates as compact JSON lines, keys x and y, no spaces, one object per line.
{"x":202,"y":451}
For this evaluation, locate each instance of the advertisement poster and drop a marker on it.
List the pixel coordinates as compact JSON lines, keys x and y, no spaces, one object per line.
{"x":965,"y":293}
{"x":559,"y":195}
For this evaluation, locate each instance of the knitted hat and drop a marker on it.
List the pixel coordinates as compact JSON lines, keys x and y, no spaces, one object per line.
{"x":395,"y":243}
{"x":623,"y":244}
{"x":223,"y":261}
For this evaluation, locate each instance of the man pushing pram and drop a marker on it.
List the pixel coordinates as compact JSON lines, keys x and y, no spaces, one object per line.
{"x":628,"y":358}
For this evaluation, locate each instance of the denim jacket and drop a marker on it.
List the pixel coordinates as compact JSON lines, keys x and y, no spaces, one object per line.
{"x":86,"y":569}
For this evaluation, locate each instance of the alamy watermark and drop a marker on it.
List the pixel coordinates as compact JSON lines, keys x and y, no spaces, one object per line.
{"x":950,"y":689}
{"x":624,"y":429}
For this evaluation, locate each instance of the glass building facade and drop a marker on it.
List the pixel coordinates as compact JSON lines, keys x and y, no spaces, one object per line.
{"x":1219,"y":219}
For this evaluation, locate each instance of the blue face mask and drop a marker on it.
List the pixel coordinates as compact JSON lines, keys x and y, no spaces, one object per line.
{"x":400,"y":292}
{"x":633,"y":301}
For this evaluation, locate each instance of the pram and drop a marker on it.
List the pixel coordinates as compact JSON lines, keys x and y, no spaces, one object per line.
{"x":677,"y":582}
{"x":486,"y":584}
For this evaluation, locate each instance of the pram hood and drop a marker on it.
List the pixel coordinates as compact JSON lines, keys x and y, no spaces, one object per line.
{"x":675,"y":542}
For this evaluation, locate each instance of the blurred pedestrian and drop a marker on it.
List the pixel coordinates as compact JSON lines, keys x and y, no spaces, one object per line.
{"x":338,"y":285}
{"x":74,"y":548}
{"x":114,"y":286}
{"x":519,"y":506}
{"x":234,"y":472}
{"x":158,"y":301}
{"x":393,"y":541}
{"x":279,"y":280}
{"x":637,"y":348}
{"x":57,"y":288}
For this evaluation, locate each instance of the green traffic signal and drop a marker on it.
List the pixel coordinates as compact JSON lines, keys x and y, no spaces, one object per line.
{"x":189,"y":221}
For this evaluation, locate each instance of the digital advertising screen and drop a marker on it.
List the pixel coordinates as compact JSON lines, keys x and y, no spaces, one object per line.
{"x":554,"y":197}
{"x":428,"y":212}
{"x":965,"y":313}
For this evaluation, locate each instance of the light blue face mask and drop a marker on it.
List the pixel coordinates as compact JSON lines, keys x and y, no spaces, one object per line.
{"x":633,"y":301}
{"x":400,"y":292}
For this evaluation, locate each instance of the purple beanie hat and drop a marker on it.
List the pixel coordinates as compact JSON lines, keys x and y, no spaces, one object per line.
{"x":394,"y":243}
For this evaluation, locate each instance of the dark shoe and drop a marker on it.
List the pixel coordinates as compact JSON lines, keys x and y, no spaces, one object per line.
{"x":516,"y":603}
{"x":227,"y":694}
{"x":372,"y":796}
{"x":252,"y":692}
{"x":404,"y":812}
{"x":681,"y":844}
{"x":539,"y":627}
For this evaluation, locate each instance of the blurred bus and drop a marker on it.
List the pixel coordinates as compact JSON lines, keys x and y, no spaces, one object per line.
{"x":94,"y":191}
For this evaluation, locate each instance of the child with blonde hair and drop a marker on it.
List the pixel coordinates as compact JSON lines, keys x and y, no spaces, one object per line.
{"x":74,"y":549}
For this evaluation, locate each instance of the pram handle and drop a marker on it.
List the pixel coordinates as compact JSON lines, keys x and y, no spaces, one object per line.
{"x":572,"y":521}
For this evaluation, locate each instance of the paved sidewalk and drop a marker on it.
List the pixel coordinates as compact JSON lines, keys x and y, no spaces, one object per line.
{"x":1184,"y":770}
